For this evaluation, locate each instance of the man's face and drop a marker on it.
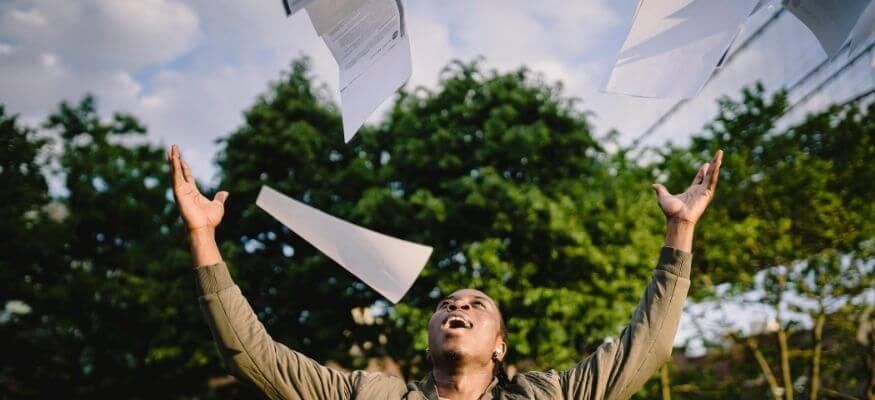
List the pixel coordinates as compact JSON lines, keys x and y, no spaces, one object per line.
{"x":466,"y":325}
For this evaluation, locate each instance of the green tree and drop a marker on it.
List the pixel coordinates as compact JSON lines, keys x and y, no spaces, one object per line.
{"x":497,"y":171}
{"x":113,"y":311}
{"x":800,"y":212}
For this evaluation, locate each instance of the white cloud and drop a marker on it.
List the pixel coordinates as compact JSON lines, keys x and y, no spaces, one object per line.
{"x":189,"y":69}
{"x":28,"y":17}
{"x":103,"y":34}
{"x":49,"y":60}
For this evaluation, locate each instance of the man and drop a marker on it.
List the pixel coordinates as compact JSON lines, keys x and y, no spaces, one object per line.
{"x":466,"y":333}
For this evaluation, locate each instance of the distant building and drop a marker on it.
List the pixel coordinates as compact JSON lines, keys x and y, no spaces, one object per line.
{"x":776,"y":49}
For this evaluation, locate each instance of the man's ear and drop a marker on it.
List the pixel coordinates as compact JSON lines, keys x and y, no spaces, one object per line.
{"x":500,"y":349}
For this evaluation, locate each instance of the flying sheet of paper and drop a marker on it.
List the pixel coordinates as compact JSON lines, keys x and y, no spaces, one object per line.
{"x":674,"y":46}
{"x":293,"y":6}
{"x":368,"y":40}
{"x":761,"y":4}
{"x":723,"y":57}
{"x":864,"y":30}
{"x":386,"y":264}
{"x":831,"y":21}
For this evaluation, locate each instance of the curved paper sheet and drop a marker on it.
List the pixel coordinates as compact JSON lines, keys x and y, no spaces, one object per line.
{"x":368,"y":40}
{"x":831,"y":21}
{"x":674,"y":46}
{"x":386,"y":264}
{"x":864,"y":31}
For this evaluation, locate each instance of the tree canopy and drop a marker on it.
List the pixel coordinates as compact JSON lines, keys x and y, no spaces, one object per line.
{"x":500,"y":172}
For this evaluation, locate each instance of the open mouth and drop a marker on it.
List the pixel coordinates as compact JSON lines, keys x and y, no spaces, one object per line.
{"x":457,"y":322}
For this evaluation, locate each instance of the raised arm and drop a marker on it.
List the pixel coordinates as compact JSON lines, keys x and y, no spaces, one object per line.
{"x":619,"y":368}
{"x":246,"y":348}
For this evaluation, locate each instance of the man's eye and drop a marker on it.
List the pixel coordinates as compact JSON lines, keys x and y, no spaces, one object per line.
{"x":479,"y":304}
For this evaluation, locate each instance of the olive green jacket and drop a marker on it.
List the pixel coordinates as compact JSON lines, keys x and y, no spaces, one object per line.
{"x":616,"y":370}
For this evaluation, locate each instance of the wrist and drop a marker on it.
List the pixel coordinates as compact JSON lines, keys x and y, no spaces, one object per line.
{"x":679,"y":234}
{"x":680,"y":223}
{"x":202,"y":232}
{"x":204,"y":249}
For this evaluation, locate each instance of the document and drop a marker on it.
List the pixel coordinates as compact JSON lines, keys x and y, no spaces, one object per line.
{"x":864,"y":31}
{"x":674,"y":46}
{"x":293,"y":6}
{"x":386,"y":264}
{"x":368,"y":39}
{"x":760,"y":5}
{"x":831,"y":21}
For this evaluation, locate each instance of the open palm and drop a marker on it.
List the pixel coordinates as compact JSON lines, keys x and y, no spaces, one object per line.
{"x":197,"y":211}
{"x":691,"y":204}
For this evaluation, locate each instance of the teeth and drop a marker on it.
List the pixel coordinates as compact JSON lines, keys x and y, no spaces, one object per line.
{"x":465,"y":323}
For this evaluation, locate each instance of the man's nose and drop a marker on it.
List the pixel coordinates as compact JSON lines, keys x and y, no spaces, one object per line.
{"x":459,"y":305}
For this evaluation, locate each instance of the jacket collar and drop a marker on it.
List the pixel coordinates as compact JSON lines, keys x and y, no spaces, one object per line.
{"x":428,"y":387}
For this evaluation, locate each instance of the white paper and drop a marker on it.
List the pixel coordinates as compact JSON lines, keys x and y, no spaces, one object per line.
{"x":386,"y":264}
{"x":760,"y":5}
{"x":725,"y":55}
{"x":293,"y":6}
{"x":864,"y":30}
{"x":326,"y":14}
{"x":368,"y":40}
{"x":831,"y":21}
{"x":674,"y":46}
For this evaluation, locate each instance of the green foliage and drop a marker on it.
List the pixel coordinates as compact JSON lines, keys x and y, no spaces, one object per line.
{"x":496,"y":171}
{"x":795,"y":206}
{"x":112,"y":310}
{"x":20,"y":150}
{"x":798,"y":194}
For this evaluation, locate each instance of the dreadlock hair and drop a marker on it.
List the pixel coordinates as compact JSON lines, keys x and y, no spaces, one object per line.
{"x":498,"y":369}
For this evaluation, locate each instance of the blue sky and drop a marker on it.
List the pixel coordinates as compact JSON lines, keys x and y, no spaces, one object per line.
{"x":188,"y":68}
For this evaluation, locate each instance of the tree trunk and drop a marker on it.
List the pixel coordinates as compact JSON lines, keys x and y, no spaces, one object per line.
{"x":664,"y":382}
{"x":782,"y":339}
{"x":774,"y":389}
{"x":870,"y":388}
{"x":785,"y":364}
{"x":815,"y":358}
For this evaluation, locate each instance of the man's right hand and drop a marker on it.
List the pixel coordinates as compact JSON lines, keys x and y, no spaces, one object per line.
{"x":199,"y":213}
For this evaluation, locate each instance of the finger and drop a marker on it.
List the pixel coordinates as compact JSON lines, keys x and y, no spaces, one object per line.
{"x":703,"y":173}
{"x":660,"y":190}
{"x":221,"y":197}
{"x":700,"y":175}
{"x":176,"y":168}
{"x":718,"y":156}
{"x":715,"y":170}
{"x":186,"y":172}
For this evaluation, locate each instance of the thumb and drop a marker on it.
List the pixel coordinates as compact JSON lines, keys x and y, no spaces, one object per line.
{"x":221,"y":197}
{"x":660,"y":190}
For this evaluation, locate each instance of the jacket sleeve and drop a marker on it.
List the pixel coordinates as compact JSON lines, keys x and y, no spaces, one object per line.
{"x":249,"y":352}
{"x":617,"y":369}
